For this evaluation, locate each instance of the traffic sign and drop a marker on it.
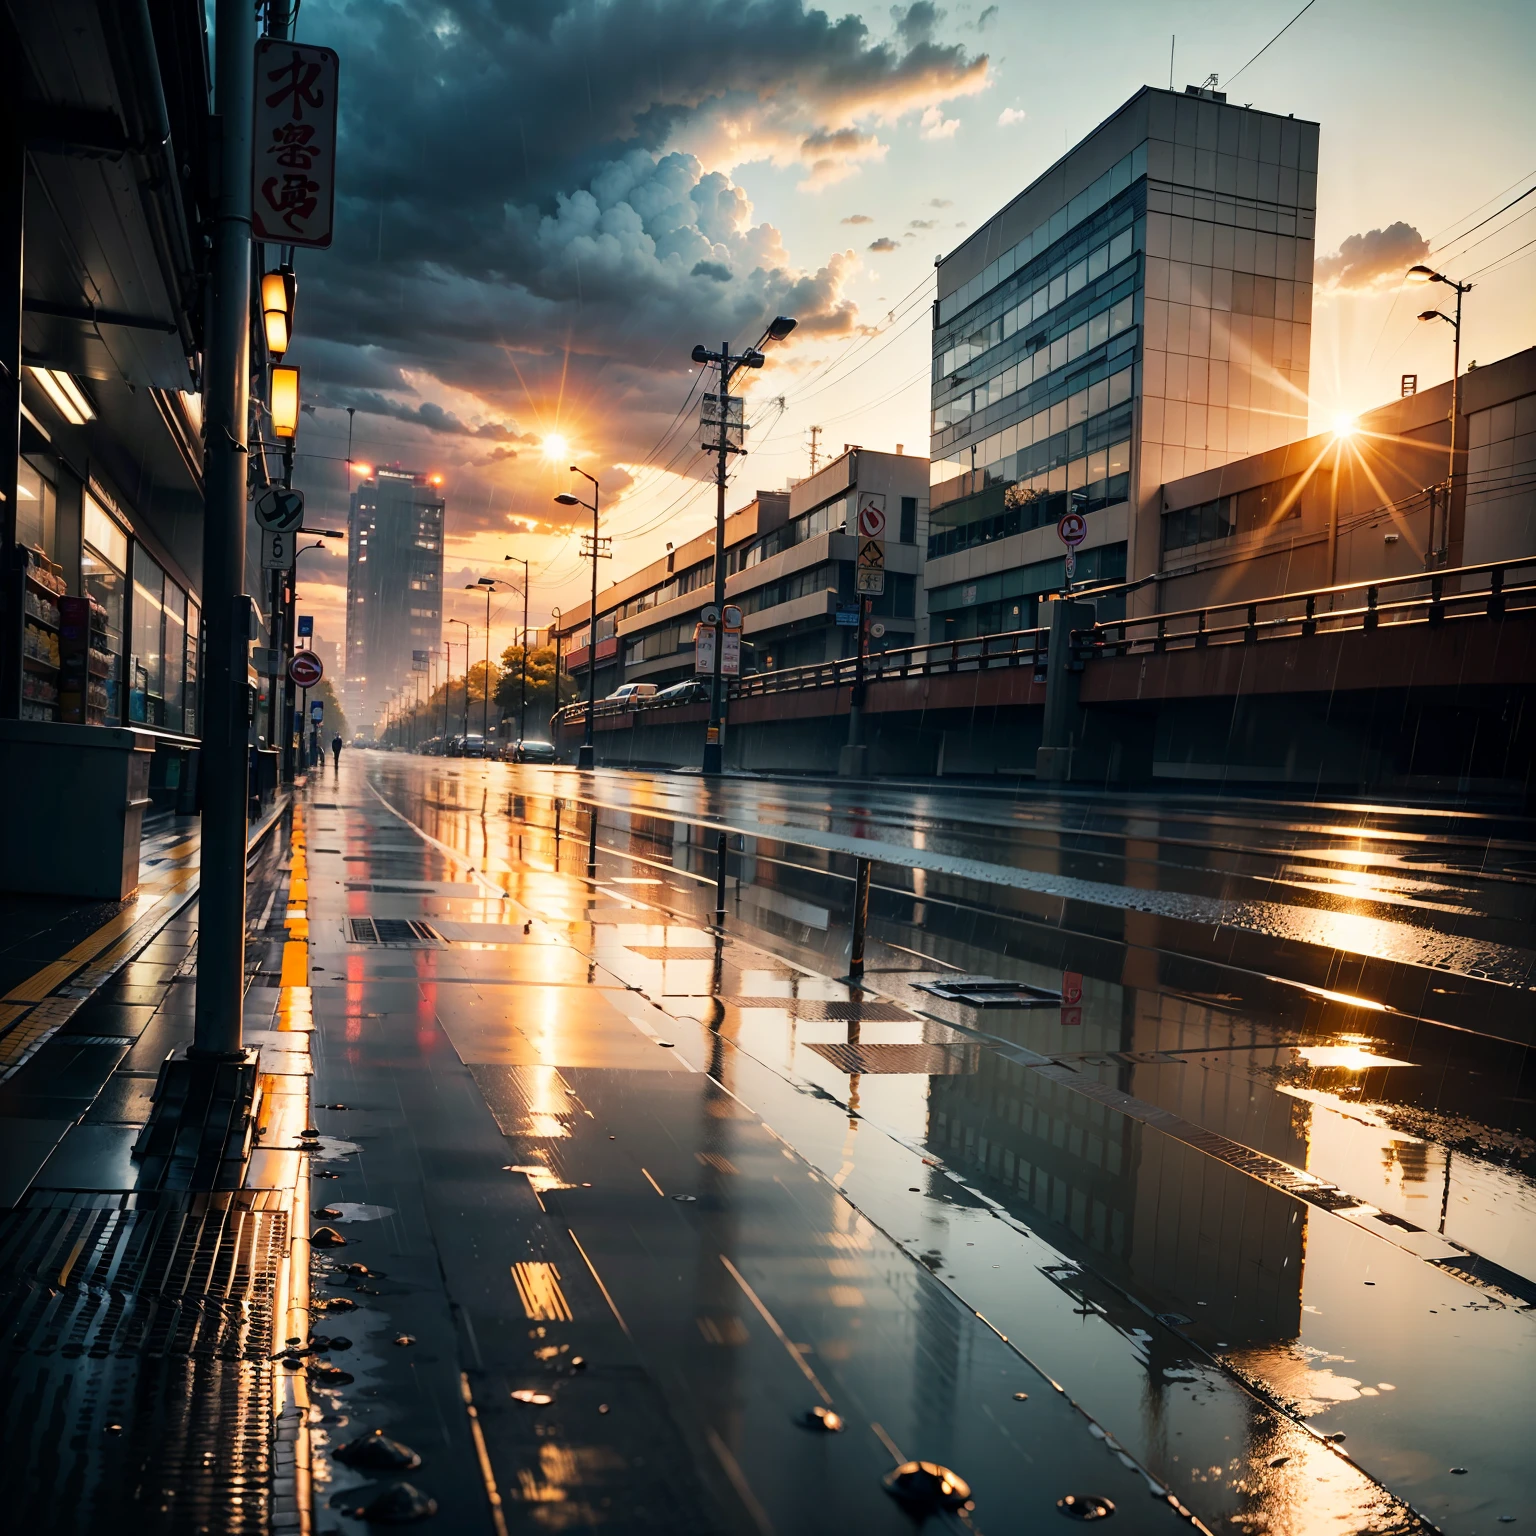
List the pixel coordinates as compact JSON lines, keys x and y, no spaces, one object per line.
{"x":1072,"y":529}
{"x":704,"y":649}
{"x":731,"y":614}
{"x":877,"y":630}
{"x":730,"y":654}
{"x":1071,"y":564}
{"x":871,"y":515}
{"x":872,"y":555}
{"x":280,"y":510}
{"x":278,"y":551}
{"x":869,"y":581}
{"x":306,"y":669}
{"x":709,"y":615}
{"x":317,"y":711}
{"x":848,"y":615}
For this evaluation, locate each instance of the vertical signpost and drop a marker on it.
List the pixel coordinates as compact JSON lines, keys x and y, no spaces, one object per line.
{"x":293,"y":172}
{"x":1072,"y":530}
{"x":869,"y":583}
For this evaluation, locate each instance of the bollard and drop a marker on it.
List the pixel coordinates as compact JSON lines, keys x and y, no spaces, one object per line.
{"x":720,"y":847}
{"x":860,"y":918}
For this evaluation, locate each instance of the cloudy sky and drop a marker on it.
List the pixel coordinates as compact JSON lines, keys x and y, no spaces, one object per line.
{"x":544,"y":204}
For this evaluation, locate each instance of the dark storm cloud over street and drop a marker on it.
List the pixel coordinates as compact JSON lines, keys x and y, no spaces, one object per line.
{"x":527,"y":203}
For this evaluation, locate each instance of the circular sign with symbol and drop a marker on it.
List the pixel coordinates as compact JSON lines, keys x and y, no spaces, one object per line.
{"x":306,"y":669}
{"x":872,"y":515}
{"x":1072,"y":529}
{"x":709,"y":615}
{"x":877,"y":629}
{"x":732,"y":616}
{"x":280,"y":510}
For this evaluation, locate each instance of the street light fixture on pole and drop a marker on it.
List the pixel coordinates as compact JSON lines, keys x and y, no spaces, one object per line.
{"x":522,"y":687}
{"x":465,"y":623}
{"x":727,"y":363}
{"x":587,"y":757}
{"x":1423,"y":274}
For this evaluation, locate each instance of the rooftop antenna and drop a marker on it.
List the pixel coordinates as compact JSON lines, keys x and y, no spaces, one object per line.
{"x":1172,"y":44}
{"x":1210,"y":82}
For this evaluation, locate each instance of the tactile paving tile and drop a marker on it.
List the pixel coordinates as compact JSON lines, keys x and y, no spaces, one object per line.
{"x":827,"y":1011}
{"x":916,"y":1060}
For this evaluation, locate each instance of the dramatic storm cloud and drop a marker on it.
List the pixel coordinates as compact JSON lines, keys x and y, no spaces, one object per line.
{"x":1373,"y":260}
{"x":537,"y":214}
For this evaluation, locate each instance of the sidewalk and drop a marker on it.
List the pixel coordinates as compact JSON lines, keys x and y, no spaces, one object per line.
{"x":143,"y":1320}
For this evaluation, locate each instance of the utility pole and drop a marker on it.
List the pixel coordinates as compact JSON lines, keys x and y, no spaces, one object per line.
{"x":587,"y":757}
{"x":465,"y":623}
{"x":815,"y":447}
{"x":226,"y":395}
{"x":727,"y":364}
{"x":522,"y":694}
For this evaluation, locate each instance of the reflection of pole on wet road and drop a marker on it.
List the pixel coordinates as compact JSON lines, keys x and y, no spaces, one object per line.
{"x":860,"y":918}
{"x":720,"y":856}
{"x":592,"y":845}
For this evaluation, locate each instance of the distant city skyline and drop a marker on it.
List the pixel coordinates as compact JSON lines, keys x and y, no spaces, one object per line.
{"x":828,"y":189}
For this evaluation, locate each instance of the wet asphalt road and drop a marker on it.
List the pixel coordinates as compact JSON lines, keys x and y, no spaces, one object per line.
{"x":1260,"y":1203}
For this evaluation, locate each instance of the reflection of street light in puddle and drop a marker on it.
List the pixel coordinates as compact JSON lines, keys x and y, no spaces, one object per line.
{"x":1352,"y":1057}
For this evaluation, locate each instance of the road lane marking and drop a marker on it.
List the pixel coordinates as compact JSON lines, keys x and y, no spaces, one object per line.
{"x":492,"y":1492}
{"x":618,"y":1317}
{"x":778,"y":1332}
{"x":654,"y":1185}
{"x":739,"y":1482}
{"x":538,"y":1288}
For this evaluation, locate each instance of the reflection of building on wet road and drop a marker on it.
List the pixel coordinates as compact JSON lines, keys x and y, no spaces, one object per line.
{"x":394,"y":584}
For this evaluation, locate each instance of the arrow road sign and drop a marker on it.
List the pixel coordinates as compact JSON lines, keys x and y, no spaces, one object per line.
{"x":1072,"y":529}
{"x":871,"y":515}
{"x":280,"y":510}
{"x":306,"y":669}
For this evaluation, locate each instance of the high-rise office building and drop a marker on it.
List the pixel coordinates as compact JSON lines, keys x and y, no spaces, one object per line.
{"x":1140,"y":311}
{"x":394,"y":583}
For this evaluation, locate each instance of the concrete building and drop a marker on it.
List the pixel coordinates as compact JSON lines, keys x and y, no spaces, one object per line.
{"x":394,"y":583}
{"x":1139,"y":312}
{"x":1369,"y":504}
{"x":790,"y":559}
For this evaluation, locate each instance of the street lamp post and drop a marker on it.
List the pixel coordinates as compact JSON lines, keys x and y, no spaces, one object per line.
{"x":1423,"y":274}
{"x":554,"y":629}
{"x":522,"y":686}
{"x":727,"y":363}
{"x":587,"y":757}
{"x":489,"y":584}
{"x":465,"y":623}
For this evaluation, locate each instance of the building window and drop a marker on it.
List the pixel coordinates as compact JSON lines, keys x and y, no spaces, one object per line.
{"x":104,"y":576}
{"x":909,"y":519}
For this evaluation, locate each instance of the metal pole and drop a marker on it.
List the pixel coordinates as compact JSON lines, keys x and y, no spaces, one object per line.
{"x":714,"y":744}
{"x":226,"y":397}
{"x":522,"y":699}
{"x":592,"y":844}
{"x":860,"y":918}
{"x":587,"y":757}
{"x":1450,"y":487}
{"x":720,"y":854}
{"x":485,"y":683}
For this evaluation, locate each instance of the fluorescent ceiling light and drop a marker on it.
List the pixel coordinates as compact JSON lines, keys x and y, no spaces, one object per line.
{"x":67,"y":397}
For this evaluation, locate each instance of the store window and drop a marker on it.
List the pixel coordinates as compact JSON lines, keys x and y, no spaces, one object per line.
{"x":104,"y":576}
{"x":175,"y":656}
{"x":146,"y":655}
{"x":192,"y":669}
{"x":36,"y":510}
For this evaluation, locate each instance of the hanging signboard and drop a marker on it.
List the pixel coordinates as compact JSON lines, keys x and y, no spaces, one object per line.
{"x":293,"y":178}
{"x":278,"y":551}
{"x":871,"y":515}
{"x":730,"y":654}
{"x":735,"y":423}
{"x":704,"y":649}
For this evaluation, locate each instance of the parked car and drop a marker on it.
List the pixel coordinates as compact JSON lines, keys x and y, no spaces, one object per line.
{"x":534,"y":752}
{"x":472,"y":745}
{"x":633,"y":691}
{"x":690,"y":691}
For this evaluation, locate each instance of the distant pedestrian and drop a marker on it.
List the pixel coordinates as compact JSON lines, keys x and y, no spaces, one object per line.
{"x":336,"y":753}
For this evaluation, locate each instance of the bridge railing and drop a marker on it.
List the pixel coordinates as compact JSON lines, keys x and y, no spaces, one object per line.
{"x":1489,"y":590}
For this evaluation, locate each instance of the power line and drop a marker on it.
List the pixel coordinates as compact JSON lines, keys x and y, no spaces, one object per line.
{"x":1498,"y":263}
{"x":1491,"y":217}
{"x":1275,"y":39}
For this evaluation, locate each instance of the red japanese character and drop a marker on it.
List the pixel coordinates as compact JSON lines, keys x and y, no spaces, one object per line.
{"x":299,"y":82}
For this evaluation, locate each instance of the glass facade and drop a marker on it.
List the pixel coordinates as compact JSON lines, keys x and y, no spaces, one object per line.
{"x":1152,"y":324}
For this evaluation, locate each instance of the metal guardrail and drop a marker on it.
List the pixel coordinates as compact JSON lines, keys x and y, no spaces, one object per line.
{"x":1424,"y":597}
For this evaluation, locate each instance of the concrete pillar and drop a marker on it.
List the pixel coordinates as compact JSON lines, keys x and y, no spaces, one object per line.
{"x":1062,"y":733}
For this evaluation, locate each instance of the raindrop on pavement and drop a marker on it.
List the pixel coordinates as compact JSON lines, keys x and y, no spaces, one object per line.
{"x":1459,"y":1471}
{"x":1086,"y":1506}
{"x":528,"y":1395}
{"x":334,"y":1304}
{"x":577,"y":1363}
{"x":376,"y":1452}
{"x":602,"y":1407}
{"x":327,"y":1375}
{"x":824,"y":1420}
{"x":331,"y":1106}
{"x":114,"y":1429}
{"x":1021,"y":1397}
{"x":685,"y":1199}
{"x":325,"y":1173}
{"x":399,"y":1505}
{"x":927,"y":1485}
{"x":404,"y":1339}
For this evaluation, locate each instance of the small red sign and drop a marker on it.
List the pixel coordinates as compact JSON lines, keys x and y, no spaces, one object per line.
{"x":1071,"y":987}
{"x":306,"y":669}
{"x":1071,"y":1017}
{"x":1072,"y":529}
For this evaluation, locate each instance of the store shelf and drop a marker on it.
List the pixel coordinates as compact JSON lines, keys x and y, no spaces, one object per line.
{"x":32,"y":663}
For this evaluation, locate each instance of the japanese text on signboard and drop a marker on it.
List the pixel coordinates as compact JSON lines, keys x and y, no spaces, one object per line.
{"x":293,"y":191}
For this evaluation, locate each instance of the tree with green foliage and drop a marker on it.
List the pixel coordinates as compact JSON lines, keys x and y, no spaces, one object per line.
{"x":335,"y":721}
{"x":542,"y":691}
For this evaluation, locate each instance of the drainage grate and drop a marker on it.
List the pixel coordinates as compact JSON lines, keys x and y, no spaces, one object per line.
{"x":675,"y":952}
{"x":821,"y":1010}
{"x":991,"y":992}
{"x":397,"y":931}
{"x":917,"y":1060}
{"x":152,"y":1314}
